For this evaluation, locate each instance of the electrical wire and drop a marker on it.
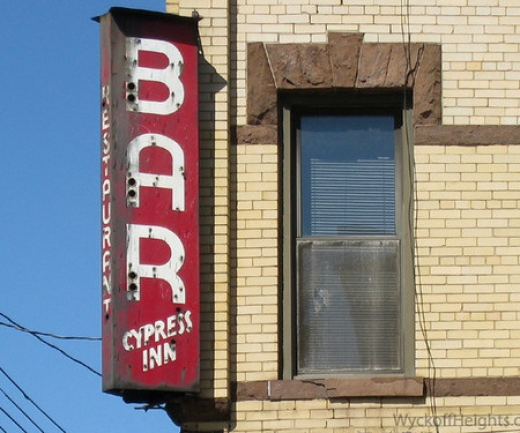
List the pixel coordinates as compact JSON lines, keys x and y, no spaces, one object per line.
{"x":42,"y":340}
{"x":38,"y":335}
{"x":31,"y":400}
{"x":3,"y":429}
{"x":46,"y":334}
{"x":413,"y":203}
{"x":13,"y":420}
{"x":21,"y":410}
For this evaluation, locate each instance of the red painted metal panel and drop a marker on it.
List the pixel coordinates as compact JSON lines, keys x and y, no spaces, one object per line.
{"x":150,"y":189}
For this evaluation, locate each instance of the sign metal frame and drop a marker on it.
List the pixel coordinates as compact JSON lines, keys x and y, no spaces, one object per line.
{"x":150,"y":203}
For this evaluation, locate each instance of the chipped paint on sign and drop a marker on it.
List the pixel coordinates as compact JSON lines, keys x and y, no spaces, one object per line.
{"x":168,"y":76}
{"x":150,"y":240}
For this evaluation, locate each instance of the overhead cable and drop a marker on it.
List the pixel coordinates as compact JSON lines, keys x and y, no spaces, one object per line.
{"x":411,"y":71}
{"x":31,"y":400}
{"x":46,"y":334}
{"x":13,"y":420}
{"x":21,"y":410}
{"x":42,"y":340}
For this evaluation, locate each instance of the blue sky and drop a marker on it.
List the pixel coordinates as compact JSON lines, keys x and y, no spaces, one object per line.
{"x":49,"y":217}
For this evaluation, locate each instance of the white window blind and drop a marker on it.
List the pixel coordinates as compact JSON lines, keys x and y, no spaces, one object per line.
{"x":352,"y":198}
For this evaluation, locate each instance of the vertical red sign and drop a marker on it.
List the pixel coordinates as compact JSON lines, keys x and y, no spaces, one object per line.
{"x":150,"y":188}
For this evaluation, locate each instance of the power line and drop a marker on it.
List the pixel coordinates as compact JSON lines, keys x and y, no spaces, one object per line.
{"x":31,"y":400}
{"x":42,"y":340}
{"x":38,"y":335}
{"x":13,"y":420}
{"x":21,"y":410}
{"x":46,"y":334}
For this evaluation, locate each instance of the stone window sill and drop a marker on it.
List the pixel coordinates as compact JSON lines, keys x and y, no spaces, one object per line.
{"x":277,"y":390}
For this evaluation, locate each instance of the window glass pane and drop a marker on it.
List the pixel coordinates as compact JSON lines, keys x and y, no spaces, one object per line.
{"x":348,"y":308}
{"x":347,"y":175}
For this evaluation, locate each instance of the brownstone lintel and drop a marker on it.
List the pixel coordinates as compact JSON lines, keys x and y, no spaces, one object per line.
{"x":467,"y":135}
{"x":345,"y":63}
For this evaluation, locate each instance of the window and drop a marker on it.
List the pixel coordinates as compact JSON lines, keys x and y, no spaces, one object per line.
{"x":348,"y":281}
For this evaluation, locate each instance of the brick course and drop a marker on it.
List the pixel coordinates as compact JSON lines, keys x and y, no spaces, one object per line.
{"x":467,"y":197}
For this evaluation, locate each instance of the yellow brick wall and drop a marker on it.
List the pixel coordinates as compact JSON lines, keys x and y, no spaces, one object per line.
{"x":468,"y":223}
{"x":214,"y":191}
{"x":468,"y":249}
{"x":255,"y":235}
{"x":480,"y":44}
{"x":451,"y":414}
{"x":468,"y":244}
